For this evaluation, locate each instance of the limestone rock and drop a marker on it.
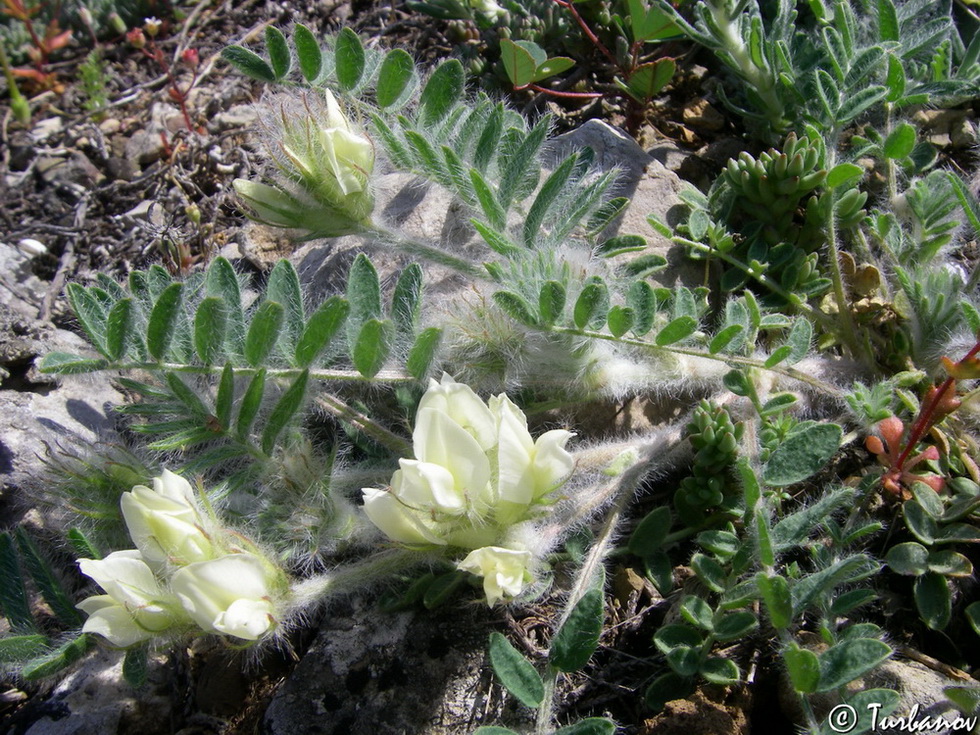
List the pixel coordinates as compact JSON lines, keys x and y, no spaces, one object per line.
{"x":94,"y":699}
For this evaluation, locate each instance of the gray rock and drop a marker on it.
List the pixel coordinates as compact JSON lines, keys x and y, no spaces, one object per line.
{"x":418,"y":210}
{"x":651,"y":187}
{"x":239,"y":116}
{"x":20,"y":290}
{"x":375,"y":673}
{"x":95,"y":700}
{"x":43,"y":411}
{"x":144,"y":147}
{"x":921,"y":688}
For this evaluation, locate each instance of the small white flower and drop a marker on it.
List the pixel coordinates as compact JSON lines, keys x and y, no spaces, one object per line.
{"x":135,"y":607}
{"x":232,"y":595}
{"x":165,"y":523}
{"x":505,"y":571}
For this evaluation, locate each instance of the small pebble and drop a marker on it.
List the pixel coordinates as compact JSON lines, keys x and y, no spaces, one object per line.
{"x":30,"y":246}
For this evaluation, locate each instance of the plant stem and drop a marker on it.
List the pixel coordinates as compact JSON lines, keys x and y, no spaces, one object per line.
{"x":659,"y":453}
{"x":424,"y":250}
{"x":927,"y":415}
{"x":373,"y":429}
{"x":384,"y":376}
{"x":593,"y":38}
{"x":836,"y":276}
{"x":762,"y":278}
{"x":345,"y":579}
{"x":728,"y":359}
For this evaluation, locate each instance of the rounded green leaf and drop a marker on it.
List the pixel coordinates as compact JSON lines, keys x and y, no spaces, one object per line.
{"x":647,"y":80}
{"x":515,"y":306}
{"x":518,"y":63}
{"x":710,"y":572}
{"x":372,"y":347}
{"x":776,"y":595}
{"x":697,"y":612}
{"x":649,"y":535}
{"x":721,"y":671}
{"x":551,"y":302}
{"x":308,"y":52}
{"x":248,"y":63}
{"x":263,"y":332}
{"x":620,"y":320}
{"x":348,"y":59}
{"x":802,"y":455}
{"x":949,"y":563}
{"x":589,"y":726}
{"x":423,"y":352}
{"x":900,"y":142}
{"x":933,"y":600}
{"x":680,"y":328}
{"x":803,"y":667}
{"x":670,"y":637}
{"x":554,"y":65}
{"x":843,"y":173}
{"x":322,"y":326}
{"x":591,"y":305}
{"x":667,"y":688}
{"x":162,"y":325}
{"x":210,"y":323}
{"x":735,"y":625}
{"x":441,"y":92}
{"x":394,"y":78}
{"x":275,"y":44}
{"x":850,"y":660}
{"x":909,"y":559}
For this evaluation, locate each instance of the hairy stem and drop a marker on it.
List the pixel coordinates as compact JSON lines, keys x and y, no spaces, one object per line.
{"x":369,"y":426}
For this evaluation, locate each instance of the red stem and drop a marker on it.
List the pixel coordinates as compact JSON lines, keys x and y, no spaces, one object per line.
{"x":558,"y":93}
{"x":925,"y":419}
{"x":567,"y":4}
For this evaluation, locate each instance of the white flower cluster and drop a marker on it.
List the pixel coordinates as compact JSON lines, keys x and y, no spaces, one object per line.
{"x":477,"y":474}
{"x":185,"y":571}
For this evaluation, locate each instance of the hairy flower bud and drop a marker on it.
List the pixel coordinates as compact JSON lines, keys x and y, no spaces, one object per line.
{"x":327,"y":158}
{"x":165,"y":523}
{"x":135,"y":607}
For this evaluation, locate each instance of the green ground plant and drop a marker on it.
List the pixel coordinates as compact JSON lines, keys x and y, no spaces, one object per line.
{"x":828,"y":314}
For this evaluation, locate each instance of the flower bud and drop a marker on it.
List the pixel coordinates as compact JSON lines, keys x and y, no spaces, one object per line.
{"x":135,"y":608}
{"x":136,"y":38}
{"x":165,"y":523}
{"x":191,"y":58}
{"x":274,"y":207}
{"x":505,"y":571}
{"x":331,"y":161}
{"x":232,"y":595}
{"x":117,"y":23}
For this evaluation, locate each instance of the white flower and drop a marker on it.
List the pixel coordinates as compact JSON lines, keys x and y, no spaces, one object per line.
{"x":462,"y":405}
{"x":504,"y":571}
{"x":476,"y":472}
{"x":527,"y":470}
{"x":135,"y":607}
{"x":488,"y":8}
{"x":232,"y":594}
{"x":165,"y":523}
